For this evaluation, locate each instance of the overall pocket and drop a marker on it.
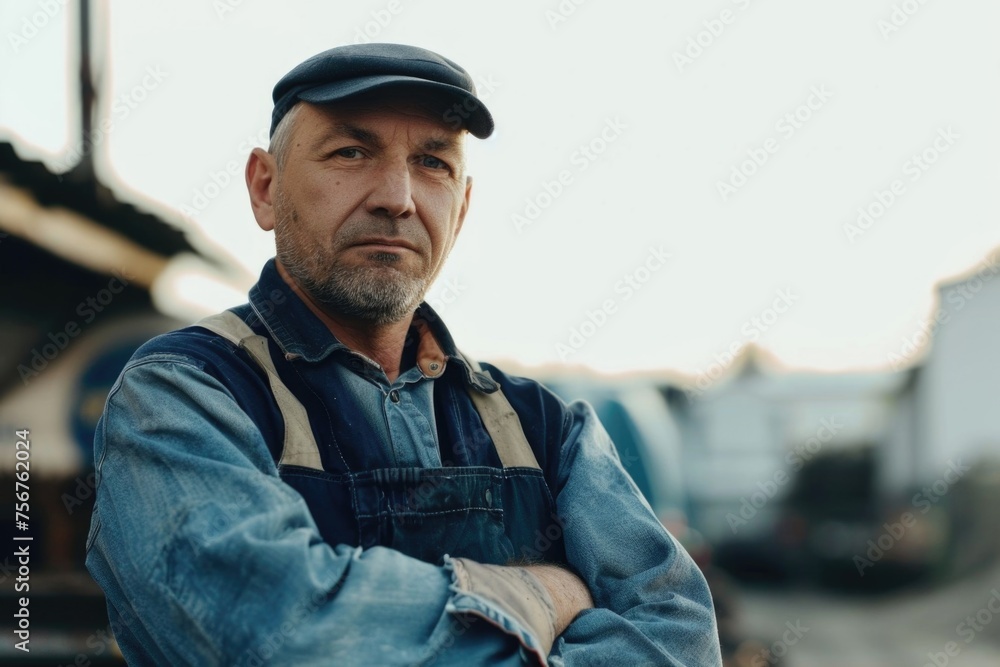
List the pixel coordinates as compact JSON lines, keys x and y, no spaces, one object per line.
{"x":429,"y":512}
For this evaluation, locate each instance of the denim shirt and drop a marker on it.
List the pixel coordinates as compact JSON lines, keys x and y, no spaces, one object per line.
{"x":207,"y":557}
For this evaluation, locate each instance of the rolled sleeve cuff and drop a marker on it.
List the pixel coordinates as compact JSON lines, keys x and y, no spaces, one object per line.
{"x":510,"y":598}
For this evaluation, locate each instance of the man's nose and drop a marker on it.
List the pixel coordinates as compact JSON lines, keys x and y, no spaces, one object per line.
{"x":392,"y":193}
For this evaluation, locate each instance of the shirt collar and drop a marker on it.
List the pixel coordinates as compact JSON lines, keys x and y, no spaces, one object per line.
{"x":302,"y":335}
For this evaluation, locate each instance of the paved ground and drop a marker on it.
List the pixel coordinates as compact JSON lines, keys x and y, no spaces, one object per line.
{"x":900,"y":630}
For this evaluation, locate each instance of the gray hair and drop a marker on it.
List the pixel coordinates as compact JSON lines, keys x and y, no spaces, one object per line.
{"x":282,"y":135}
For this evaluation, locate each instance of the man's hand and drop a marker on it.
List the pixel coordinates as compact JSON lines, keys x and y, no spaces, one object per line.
{"x":568,"y":592}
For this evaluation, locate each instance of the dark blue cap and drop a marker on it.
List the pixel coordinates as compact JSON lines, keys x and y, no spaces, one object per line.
{"x":346,"y":71}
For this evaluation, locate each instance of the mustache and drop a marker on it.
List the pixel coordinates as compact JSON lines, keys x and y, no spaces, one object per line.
{"x":354,"y":232}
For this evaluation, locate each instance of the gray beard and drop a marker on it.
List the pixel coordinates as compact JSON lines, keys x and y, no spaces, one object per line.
{"x":377,"y":294}
{"x":374,"y":294}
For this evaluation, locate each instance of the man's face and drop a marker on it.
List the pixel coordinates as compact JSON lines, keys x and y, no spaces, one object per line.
{"x":367,"y":205}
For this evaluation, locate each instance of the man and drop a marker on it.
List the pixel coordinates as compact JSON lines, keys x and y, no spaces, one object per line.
{"x":319,"y":477}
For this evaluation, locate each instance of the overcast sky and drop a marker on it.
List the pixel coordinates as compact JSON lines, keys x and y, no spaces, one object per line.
{"x":669,"y":181}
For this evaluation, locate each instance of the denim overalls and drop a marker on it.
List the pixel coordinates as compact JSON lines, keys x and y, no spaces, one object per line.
{"x":493,"y":515}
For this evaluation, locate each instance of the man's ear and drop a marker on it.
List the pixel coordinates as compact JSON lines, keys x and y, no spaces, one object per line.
{"x":261,"y":175}
{"x":465,"y":205}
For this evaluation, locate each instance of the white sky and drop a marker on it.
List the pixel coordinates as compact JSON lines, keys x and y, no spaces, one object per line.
{"x":681,"y":130}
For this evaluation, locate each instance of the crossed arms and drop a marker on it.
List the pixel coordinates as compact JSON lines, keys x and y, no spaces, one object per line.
{"x":207,"y":557}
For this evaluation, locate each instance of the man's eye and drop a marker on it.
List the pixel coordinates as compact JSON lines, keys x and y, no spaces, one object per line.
{"x":433,"y":162}
{"x":349,"y":153}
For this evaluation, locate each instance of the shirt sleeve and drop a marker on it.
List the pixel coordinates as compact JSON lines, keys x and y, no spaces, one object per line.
{"x":206,"y":557}
{"x":652,"y":605}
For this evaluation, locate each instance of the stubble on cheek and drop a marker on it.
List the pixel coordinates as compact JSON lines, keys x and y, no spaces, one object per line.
{"x":380,"y":290}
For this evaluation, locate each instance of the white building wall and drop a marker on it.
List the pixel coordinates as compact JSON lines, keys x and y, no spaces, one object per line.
{"x":959,"y":393}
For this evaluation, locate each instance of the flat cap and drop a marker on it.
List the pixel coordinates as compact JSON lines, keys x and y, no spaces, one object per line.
{"x":345,"y":71}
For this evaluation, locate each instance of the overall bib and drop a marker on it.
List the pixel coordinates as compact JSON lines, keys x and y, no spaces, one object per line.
{"x":490,"y":515}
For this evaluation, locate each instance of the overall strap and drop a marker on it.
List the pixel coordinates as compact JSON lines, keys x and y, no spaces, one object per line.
{"x":502,"y":424}
{"x":300,"y":448}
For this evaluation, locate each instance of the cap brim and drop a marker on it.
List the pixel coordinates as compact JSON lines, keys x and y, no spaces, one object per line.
{"x":461,"y":108}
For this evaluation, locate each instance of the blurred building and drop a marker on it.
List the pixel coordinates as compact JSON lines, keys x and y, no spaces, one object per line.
{"x":956,"y":396}
{"x":87,"y":279}
{"x":801,"y":470}
{"x":944,"y":449}
{"x":748,"y":436}
{"x":80,"y":268}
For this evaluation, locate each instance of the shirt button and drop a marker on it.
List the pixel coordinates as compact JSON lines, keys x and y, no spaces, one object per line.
{"x":489,"y":498}
{"x":394,"y":396}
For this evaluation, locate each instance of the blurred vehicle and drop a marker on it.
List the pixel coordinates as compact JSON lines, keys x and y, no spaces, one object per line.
{"x":648,"y":442}
{"x":837,"y":529}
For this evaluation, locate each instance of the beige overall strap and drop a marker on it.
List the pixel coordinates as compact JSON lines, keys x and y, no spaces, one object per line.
{"x":503,"y":425}
{"x":300,"y":448}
